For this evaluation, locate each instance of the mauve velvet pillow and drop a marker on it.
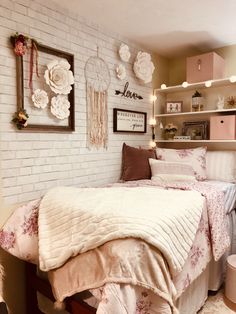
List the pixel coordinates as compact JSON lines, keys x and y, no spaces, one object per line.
{"x":135,"y":164}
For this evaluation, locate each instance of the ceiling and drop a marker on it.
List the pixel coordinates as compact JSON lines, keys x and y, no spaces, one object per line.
{"x":169,"y":27}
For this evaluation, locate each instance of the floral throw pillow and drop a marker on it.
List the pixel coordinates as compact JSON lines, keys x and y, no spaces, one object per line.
{"x":196,"y":157}
{"x":19,"y":235}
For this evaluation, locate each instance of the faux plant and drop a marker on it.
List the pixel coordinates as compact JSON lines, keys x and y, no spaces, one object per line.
{"x":20,"y":119}
{"x":170,"y":128}
{"x":197,"y":94}
{"x":231,"y":101}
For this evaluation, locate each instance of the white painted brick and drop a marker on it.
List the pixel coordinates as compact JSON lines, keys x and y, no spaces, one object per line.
{"x":10,"y":182}
{"x":25,"y":171}
{"x":26,"y":179}
{"x":13,"y":190}
{"x":13,"y":163}
{"x":34,"y":162}
{"x":20,"y":9}
{"x":9,"y":172}
{"x":26,"y":154}
{"x":10,"y":199}
{"x":24,"y":197}
{"x":27,"y":188}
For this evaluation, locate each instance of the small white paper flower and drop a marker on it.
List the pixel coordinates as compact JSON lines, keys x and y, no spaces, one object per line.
{"x":124,"y":52}
{"x":59,"y":77}
{"x":40,"y":98}
{"x":120,"y":72}
{"x":143,"y":67}
{"x":60,"y":107}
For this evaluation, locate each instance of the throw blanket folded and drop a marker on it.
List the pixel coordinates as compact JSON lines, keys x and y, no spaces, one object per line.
{"x":128,"y":261}
{"x":75,"y":220}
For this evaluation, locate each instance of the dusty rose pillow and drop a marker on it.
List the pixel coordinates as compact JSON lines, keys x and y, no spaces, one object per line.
{"x":196,"y":157}
{"x":19,"y":235}
{"x":135,"y":164}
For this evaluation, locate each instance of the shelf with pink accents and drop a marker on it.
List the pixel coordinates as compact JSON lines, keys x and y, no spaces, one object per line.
{"x":194,"y":113}
{"x":198,"y":85}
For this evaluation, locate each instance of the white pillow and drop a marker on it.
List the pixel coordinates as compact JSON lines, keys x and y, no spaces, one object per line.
{"x":221,"y":166}
{"x":196,"y":157}
{"x":167,"y":172}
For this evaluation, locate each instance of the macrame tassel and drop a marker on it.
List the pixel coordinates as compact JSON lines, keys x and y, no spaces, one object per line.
{"x":97,"y":119}
{"x":58,"y":305}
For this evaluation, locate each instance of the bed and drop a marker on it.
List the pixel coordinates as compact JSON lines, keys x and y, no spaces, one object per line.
{"x":122,"y":272}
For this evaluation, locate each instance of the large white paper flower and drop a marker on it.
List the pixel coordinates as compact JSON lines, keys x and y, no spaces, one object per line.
{"x":59,"y":77}
{"x":40,"y":98}
{"x":120,"y":72}
{"x":60,"y":107}
{"x":143,"y":67}
{"x":124,"y":52}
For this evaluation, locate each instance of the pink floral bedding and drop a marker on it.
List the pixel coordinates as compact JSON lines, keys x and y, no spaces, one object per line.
{"x":19,"y":237}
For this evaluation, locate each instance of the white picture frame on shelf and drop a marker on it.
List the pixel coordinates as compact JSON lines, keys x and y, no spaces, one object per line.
{"x":173,"y":106}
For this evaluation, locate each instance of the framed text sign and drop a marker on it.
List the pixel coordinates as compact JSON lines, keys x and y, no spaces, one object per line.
{"x":129,"y":121}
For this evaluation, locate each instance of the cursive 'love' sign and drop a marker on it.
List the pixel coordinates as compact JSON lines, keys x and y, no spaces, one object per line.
{"x":127,"y":93}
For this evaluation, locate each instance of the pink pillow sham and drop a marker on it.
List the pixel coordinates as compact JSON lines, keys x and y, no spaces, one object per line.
{"x":196,"y":157}
{"x":19,"y":235}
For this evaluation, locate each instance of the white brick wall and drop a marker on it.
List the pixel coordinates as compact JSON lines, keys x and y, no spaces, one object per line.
{"x":33,"y":162}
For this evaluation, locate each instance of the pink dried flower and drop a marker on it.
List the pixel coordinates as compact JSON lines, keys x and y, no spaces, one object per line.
{"x":19,"y":49}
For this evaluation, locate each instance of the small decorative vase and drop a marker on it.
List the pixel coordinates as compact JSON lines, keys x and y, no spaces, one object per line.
{"x":170,"y":135}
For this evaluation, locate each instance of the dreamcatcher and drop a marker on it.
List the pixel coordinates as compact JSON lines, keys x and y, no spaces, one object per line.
{"x":97,"y":82}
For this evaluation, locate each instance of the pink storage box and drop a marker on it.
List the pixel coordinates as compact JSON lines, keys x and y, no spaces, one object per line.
{"x":223,"y":127}
{"x":208,"y":66}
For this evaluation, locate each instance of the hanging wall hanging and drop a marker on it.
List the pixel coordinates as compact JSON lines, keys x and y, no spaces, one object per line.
{"x":97,"y":82}
{"x":45,"y":90}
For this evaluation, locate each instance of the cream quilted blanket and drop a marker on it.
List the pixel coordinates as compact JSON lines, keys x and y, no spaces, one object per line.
{"x":75,"y":220}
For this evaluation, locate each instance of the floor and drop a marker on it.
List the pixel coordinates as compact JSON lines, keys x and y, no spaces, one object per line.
{"x":217,"y":304}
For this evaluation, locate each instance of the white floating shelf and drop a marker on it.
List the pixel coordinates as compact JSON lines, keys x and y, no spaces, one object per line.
{"x":195,"y":141}
{"x":178,"y":88}
{"x":194,"y":113}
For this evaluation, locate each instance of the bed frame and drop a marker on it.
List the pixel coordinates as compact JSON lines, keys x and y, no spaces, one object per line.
{"x":35,"y":284}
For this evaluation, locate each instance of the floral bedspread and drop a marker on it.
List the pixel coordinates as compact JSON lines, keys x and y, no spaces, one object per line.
{"x":19,"y":237}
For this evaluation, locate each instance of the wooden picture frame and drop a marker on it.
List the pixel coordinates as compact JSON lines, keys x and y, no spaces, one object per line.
{"x":21,"y":79}
{"x":197,"y":130}
{"x":173,"y":106}
{"x":129,"y":121}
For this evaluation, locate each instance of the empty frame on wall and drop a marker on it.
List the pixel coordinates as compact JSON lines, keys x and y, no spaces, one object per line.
{"x":42,"y":119}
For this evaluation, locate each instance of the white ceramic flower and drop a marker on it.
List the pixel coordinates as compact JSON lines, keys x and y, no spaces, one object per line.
{"x":60,"y":107}
{"x":59,"y":77}
{"x":40,"y":98}
{"x":143,"y":67}
{"x":120,"y":72}
{"x":124,"y":52}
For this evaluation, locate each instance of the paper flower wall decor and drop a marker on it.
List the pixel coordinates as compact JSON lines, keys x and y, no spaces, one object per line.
{"x":120,"y":72}
{"x":59,"y":77}
{"x":124,"y":53}
{"x":60,"y":107}
{"x":143,"y":67}
{"x":40,"y":98}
